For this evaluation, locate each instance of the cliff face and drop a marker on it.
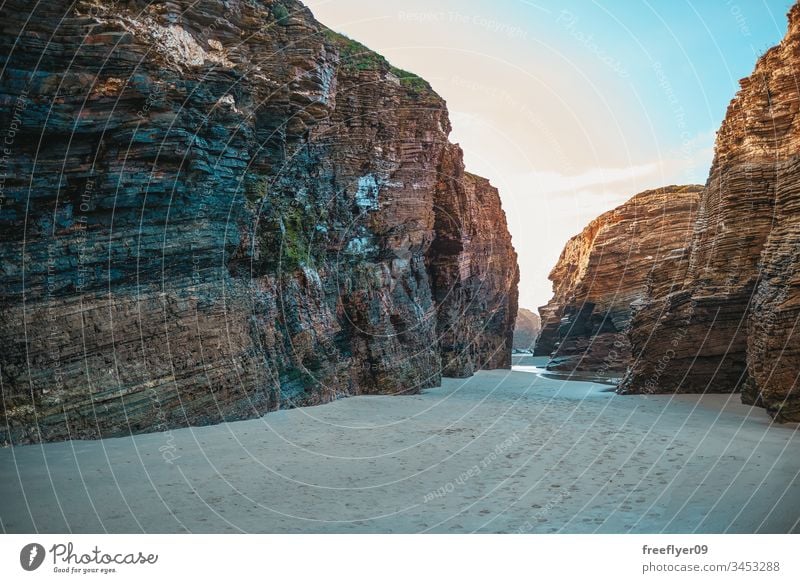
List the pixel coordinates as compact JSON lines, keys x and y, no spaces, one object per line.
{"x":526,"y":329}
{"x":731,"y":324}
{"x":472,"y":266}
{"x":603,"y":274}
{"x":212,"y":210}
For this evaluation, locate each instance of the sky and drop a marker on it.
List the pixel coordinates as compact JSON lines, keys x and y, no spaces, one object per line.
{"x":571,"y":107}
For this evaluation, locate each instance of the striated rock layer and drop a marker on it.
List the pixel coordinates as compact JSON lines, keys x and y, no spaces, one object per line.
{"x":605,"y":271}
{"x":472,"y":266}
{"x":212,"y":210}
{"x":526,"y":329}
{"x":732,"y":323}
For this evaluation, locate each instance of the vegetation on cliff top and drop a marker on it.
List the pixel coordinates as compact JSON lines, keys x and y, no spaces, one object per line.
{"x":356,"y":57}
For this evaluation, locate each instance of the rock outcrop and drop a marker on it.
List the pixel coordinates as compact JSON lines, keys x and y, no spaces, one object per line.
{"x":605,"y":271}
{"x":472,"y":266}
{"x":731,"y":324}
{"x":526,"y":329}
{"x":210,"y":210}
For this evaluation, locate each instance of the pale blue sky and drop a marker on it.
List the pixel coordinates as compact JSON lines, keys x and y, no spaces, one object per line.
{"x":572,"y":107}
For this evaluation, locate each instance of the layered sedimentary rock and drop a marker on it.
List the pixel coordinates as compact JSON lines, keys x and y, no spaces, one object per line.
{"x":604,"y":273}
{"x":473,"y":266}
{"x":212,"y":210}
{"x":526,"y":330}
{"x":732,"y":323}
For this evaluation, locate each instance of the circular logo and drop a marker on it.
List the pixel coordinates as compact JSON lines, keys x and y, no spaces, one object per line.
{"x":31,"y":556}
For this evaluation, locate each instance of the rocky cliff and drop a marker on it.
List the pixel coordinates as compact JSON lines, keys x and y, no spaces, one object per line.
{"x":215,"y":209}
{"x":605,"y":271}
{"x":473,"y":266}
{"x":731,"y":324}
{"x":526,"y":329}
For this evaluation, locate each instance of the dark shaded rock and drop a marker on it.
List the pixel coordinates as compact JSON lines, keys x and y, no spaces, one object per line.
{"x":212,"y":210}
{"x":473,"y":267}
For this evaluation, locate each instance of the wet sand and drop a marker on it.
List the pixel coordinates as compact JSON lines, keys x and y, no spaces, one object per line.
{"x":504,"y":451}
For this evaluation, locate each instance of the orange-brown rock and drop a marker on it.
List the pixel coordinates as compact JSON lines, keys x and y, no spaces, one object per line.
{"x":604,"y":272}
{"x":473,"y":270}
{"x":732,"y":322}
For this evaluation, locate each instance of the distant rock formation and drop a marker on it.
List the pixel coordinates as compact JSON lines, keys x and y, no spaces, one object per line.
{"x":526,"y":330}
{"x":211,"y":210}
{"x":605,"y":271}
{"x":732,"y":322}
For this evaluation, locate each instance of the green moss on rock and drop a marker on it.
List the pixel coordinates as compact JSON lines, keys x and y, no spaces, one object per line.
{"x":354,"y":56}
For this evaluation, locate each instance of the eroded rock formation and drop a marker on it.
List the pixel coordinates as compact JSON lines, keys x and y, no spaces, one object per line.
{"x":732,"y":323}
{"x":211,"y":210}
{"x":472,"y":266}
{"x":605,"y":271}
{"x":526,"y":329}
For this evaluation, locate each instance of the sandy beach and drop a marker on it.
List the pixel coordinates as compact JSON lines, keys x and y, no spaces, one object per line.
{"x":503,"y":451}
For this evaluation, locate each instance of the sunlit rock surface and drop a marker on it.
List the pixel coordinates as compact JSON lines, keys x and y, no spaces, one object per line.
{"x":603,"y":275}
{"x":732,"y":323}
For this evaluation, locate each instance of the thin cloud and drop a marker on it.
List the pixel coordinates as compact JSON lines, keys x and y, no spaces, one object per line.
{"x":554,"y":182}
